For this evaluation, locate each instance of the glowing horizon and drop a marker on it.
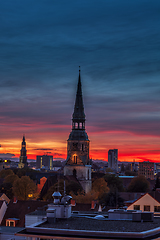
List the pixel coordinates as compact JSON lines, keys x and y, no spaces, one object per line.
{"x":117,"y":45}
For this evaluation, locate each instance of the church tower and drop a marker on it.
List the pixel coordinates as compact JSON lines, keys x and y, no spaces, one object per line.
{"x":23,"y":157}
{"x":78,"y":162}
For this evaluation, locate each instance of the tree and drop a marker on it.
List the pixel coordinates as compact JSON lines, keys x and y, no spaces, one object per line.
{"x":81,"y":197}
{"x":20,"y":172}
{"x":112,"y":199}
{"x":7,"y":189}
{"x":24,"y":188}
{"x":114,"y":182}
{"x":11,"y":178}
{"x":100,"y":186}
{"x":138,"y":184}
{"x":5,"y":172}
{"x":74,"y":187}
{"x":71,"y":186}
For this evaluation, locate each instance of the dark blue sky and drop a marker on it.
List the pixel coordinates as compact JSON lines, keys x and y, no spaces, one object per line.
{"x":117,"y":45}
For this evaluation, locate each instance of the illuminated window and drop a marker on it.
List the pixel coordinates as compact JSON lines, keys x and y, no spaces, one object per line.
{"x":30,"y":195}
{"x":75,"y":159}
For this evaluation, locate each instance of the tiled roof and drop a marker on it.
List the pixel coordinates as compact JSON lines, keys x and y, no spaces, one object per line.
{"x":20,"y":208}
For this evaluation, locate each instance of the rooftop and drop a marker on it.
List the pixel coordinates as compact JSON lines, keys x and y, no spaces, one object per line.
{"x":89,"y":228}
{"x":89,"y":223}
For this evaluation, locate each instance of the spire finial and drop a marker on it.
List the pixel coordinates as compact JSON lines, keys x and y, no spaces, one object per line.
{"x":79,"y":69}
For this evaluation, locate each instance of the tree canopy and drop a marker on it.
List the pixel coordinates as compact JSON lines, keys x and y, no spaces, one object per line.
{"x":114,"y":182}
{"x":71,"y":186}
{"x":24,"y":188}
{"x":100,"y":186}
{"x":139,"y":184}
{"x":5,"y":172}
{"x":112,"y":199}
{"x":11,"y":178}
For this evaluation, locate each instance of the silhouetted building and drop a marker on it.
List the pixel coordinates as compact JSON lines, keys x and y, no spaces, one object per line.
{"x":113,"y":159}
{"x":78,"y":162}
{"x":44,"y":162}
{"x":146,"y":169}
{"x":23,"y":157}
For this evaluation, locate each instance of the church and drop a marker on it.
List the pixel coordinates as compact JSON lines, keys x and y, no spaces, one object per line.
{"x":78,"y":162}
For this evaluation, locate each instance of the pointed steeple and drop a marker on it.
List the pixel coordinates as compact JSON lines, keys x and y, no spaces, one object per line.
{"x":78,"y":114}
{"x":23,"y":143}
{"x":23,"y":157}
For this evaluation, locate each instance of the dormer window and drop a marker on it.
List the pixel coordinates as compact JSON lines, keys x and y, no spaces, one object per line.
{"x":11,"y":222}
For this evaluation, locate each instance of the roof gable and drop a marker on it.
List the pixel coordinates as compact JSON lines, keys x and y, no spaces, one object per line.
{"x":146,"y":195}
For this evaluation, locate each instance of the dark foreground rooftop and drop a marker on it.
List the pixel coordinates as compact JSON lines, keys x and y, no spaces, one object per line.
{"x":102,"y":225}
{"x":88,"y":228}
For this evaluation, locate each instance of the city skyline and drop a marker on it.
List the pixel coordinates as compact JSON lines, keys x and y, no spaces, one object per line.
{"x":117,"y":46}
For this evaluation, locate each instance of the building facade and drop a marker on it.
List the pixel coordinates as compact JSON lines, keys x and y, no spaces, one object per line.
{"x":78,"y":162}
{"x":113,"y":159}
{"x":23,"y":155}
{"x":146,"y":169}
{"x":44,"y":162}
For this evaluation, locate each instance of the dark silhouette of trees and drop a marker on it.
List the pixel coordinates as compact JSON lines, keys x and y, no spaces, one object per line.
{"x":112,"y":199}
{"x":114,"y":182}
{"x":139,"y":184}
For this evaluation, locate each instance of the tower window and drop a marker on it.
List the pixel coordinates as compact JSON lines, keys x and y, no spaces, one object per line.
{"x":76,"y":125}
{"x":75,"y":159}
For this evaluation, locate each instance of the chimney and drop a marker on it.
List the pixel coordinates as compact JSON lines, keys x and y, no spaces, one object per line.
{"x":73,"y":202}
{"x":14,"y":199}
{"x":93,"y":204}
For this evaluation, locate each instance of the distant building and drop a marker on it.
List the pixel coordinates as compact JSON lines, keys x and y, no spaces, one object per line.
{"x":113,"y":159}
{"x":146,"y":169}
{"x":44,"y":162}
{"x":23,"y":157}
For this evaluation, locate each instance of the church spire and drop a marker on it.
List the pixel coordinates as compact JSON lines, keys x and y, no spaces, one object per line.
{"x":78,"y":119}
{"x":23,"y":157}
{"x":23,"y":138}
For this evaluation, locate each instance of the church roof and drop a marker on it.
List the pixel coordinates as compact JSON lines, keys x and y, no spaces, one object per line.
{"x":78,"y":135}
{"x":78,"y":107}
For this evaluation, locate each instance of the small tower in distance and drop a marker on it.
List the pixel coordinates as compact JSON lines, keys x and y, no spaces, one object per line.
{"x":78,"y":162}
{"x":23,"y":157}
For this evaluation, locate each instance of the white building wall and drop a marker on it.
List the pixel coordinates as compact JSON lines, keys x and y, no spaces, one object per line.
{"x":3,"y":211}
{"x":145,"y":200}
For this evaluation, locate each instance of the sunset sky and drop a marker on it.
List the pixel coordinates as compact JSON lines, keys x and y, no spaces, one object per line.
{"x":117,"y":45}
